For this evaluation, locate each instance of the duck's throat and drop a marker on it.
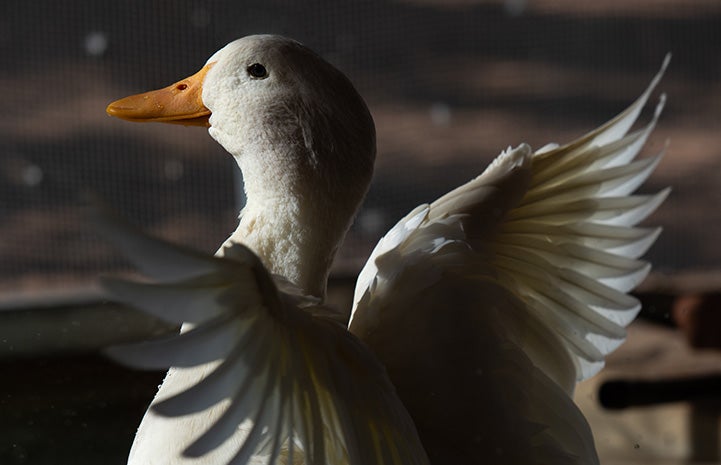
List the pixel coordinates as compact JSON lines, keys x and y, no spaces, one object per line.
{"x":300,"y":202}
{"x":294,"y":244}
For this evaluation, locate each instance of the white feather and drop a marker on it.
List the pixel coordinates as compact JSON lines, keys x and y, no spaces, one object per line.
{"x":555,"y":229}
{"x":277,"y":367}
{"x":484,"y":306}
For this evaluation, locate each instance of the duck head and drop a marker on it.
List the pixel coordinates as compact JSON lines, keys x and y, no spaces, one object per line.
{"x":301,"y":134}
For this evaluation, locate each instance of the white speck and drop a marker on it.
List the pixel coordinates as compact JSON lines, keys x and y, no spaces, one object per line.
{"x":200,"y":17}
{"x":96,"y":43}
{"x":371,"y":221}
{"x":32,"y":175}
{"x":173,"y":170}
{"x":515,"y":7}
{"x":440,"y":114}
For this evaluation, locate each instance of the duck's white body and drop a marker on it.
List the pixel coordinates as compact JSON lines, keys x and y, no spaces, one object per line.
{"x":485,"y":307}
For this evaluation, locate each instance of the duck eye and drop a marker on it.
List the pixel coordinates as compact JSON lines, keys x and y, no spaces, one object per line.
{"x":257,"y":71}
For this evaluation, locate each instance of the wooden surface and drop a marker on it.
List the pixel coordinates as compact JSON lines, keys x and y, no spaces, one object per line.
{"x":662,"y":434}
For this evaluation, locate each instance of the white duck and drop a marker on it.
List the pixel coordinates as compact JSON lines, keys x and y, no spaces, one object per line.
{"x":485,"y":307}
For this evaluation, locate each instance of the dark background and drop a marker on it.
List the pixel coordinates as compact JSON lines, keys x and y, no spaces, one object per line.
{"x":450,"y":84}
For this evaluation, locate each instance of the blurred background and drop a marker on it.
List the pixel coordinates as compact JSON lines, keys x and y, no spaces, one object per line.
{"x":449,"y":83}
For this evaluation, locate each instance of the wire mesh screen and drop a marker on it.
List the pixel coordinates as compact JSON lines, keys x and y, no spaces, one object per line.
{"x":450,"y":84}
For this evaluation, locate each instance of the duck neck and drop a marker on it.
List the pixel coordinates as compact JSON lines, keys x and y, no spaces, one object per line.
{"x":294,"y":220}
{"x":286,"y":244}
{"x":306,"y":168}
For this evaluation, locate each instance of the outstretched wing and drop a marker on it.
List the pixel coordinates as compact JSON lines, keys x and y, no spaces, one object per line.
{"x":305,"y":389}
{"x":571,"y":247}
{"x":556,"y":228}
{"x":487,"y":305}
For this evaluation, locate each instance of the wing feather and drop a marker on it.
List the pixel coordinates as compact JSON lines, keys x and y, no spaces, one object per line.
{"x":222,"y":382}
{"x":608,"y":182}
{"x":576,"y":223}
{"x":173,"y":303}
{"x":199,"y":345}
{"x":281,"y":380}
{"x":619,"y":240}
{"x":156,"y":259}
{"x":557,"y":227}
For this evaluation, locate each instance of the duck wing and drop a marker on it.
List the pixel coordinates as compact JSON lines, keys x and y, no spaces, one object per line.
{"x":299,"y":384}
{"x":522,"y":275}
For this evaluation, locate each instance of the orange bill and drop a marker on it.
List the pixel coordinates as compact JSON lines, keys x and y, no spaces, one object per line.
{"x":179,"y":103}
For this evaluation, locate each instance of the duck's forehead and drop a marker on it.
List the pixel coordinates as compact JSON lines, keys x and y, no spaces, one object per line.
{"x":233,"y":48}
{"x":251,"y":47}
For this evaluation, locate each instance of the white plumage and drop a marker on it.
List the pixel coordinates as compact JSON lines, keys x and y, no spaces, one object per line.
{"x":485,"y":306}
